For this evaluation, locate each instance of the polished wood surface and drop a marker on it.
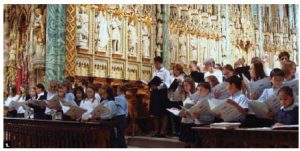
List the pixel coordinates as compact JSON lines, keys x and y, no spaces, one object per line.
{"x":246,"y":138}
{"x":30,"y":133}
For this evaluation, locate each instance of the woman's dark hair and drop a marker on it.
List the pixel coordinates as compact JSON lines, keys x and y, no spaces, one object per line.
{"x":13,"y":90}
{"x":276,"y":72}
{"x":84,"y":82}
{"x":80,"y":89}
{"x":229,"y":67}
{"x":282,"y":54}
{"x":158,"y":59}
{"x":236,"y":81}
{"x":122,"y":88}
{"x":40,"y":86}
{"x":287,"y":90}
{"x":70,"y":78}
{"x":259,"y":70}
{"x":110,"y":93}
{"x":204,"y":85}
{"x":67,"y":84}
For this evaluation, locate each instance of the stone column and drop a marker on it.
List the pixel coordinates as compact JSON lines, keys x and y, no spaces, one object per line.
{"x":165,"y":45}
{"x":55,"y":42}
{"x":228,"y":41}
{"x":260,"y":24}
{"x":296,"y":12}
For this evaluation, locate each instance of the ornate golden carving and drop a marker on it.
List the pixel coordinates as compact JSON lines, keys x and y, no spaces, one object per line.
{"x":70,"y":40}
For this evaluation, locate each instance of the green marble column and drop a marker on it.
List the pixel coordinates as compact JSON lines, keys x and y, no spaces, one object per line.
{"x":165,"y":45}
{"x":55,"y":42}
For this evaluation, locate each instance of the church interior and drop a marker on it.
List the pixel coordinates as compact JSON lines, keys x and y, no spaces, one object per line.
{"x":113,"y":46}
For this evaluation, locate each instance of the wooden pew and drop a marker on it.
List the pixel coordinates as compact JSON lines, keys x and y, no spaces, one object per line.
{"x":245,"y":138}
{"x":30,"y":133}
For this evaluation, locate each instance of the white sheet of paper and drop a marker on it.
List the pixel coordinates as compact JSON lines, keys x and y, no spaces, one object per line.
{"x":174,"y":111}
{"x":221,"y":88}
{"x":259,"y":86}
{"x":228,"y":111}
{"x":294,"y":84}
{"x":200,"y":107}
{"x":259,"y":108}
{"x":273,"y":102}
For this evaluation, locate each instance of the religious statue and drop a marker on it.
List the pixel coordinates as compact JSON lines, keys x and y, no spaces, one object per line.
{"x":39,"y":33}
{"x":182,"y":47}
{"x":103,"y":31}
{"x":116,"y":33}
{"x":172,"y":45}
{"x":132,"y":38}
{"x":193,"y":48}
{"x":83,"y":29}
{"x":145,"y":41}
{"x":159,"y":38}
{"x":12,"y":52}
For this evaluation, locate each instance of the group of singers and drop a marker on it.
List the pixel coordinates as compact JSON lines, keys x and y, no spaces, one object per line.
{"x":176,"y":90}
{"x":85,"y":95}
{"x":182,"y":91}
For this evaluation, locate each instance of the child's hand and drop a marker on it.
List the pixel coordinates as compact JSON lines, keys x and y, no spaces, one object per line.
{"x":270,"y":114}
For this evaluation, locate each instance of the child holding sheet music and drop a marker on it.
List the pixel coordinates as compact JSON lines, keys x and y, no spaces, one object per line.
{"x":276,"y":78}
{"x":288,"y":113}
{"x":257,"y":73}
{"x":186,"y":133}
{"x":234,"y":89}
{"x":108,"y":100}
{"x":13,"y":96}
{"x":79,"y":95}
{"x":39,"y":109}
{"x":89,"y":103}
{"x":204,"y":90}
{"x":175,"y":94}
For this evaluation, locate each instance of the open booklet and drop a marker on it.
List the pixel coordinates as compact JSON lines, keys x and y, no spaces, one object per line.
{"x":100,"y":110}
{"x":36,"y":103}
{"x":15,"y":105}
{"x":294,"y":84}
{"x":72,"y":110}
{"x":261,"y":108}
{"x":256,"y":86}
{"x":53,"y":103}
{"x":228,"y":109}
{"x":221,"y":88}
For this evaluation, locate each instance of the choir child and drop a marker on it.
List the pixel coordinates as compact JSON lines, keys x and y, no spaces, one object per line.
{"x":257,"y":73}
{"x":234,"y":89}
{"x":51,"y":93}
{"x":39,"y":109}
{"x":24,"y":95}
{"x":108,"y":100}
{"x":289,"y":68}
{"x":79,"y":95}
{"x":288,"y":113}
{"x":121,"y":115}
{"x":175,"y":94}
{"x":204,"y":90}
{"x":13,"y":96}
{"x":186,"y":133}
{"x":89,"y":103}
{"x":276,"y":78}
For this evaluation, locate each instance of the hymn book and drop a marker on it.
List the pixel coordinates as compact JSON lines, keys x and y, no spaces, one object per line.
{"x":258,"y":86}
{"x":261,"y":109}
{"x":72,"y":110}
{"x":100,"y":110}
{"x":221,"y":88}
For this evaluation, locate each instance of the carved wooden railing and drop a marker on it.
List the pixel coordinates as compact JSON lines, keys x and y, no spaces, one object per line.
{"x":243,"y":138}
{"x":28,"y":133}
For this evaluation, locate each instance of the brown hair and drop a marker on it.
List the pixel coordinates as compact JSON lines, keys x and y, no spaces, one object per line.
{"x":229,"y":67}
{"x":191,"y":82}
{"x":259,"y":70}
{"x":178,"y":67}
{"x":287,"y":66}
{"x":213,"y":79}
